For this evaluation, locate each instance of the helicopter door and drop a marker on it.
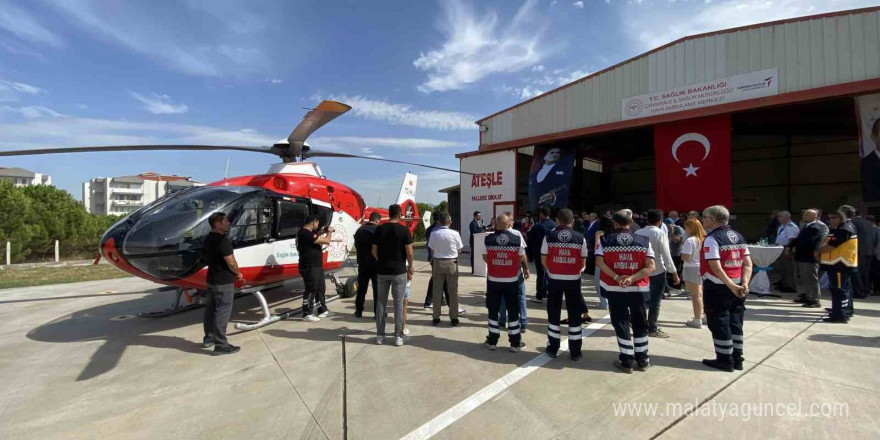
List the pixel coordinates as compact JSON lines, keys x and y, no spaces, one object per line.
{"x":251,"y":235}
{"x":290,"y":217}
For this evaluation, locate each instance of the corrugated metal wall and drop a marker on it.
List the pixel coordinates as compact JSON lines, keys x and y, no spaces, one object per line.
{"x":809,"y":54}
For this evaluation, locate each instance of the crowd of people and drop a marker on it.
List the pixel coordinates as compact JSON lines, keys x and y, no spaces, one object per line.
{"x":838,"y":249}
{"x":633,"y":265}
{"x":634,"y":260}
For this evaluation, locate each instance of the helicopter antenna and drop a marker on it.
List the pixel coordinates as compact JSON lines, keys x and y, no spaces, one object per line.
{"x":227,"y":169}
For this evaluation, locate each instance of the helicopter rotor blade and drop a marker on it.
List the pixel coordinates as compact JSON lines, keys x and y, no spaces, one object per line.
{"x":325,"y":112}
{"x":269,"y":150}
{"x":316,"y":153}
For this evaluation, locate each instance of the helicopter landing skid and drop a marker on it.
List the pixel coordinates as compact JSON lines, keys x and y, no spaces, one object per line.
{"x":269,"y":318}
{"x":193,"y":302}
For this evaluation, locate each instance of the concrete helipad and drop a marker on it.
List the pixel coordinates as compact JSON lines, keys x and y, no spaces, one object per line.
{"x":76,"y":365}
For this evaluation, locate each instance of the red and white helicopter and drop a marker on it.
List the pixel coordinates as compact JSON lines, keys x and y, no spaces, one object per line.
{"x":162,"y":242}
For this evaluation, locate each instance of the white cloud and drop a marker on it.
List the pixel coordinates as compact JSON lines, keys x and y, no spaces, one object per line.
{"x":11,"y":91}
{"x":159,"y":104}
{"x":82,"y":106}
{"x":275,"y":81}
{"x":405,"y":114}
{"x":477,"y":47}
{"x":539,"y":85}
{"x":17,"y":23}
{"x":719,"y":15}
{"x":524,"y":93}
{"x":578,"y":5}
{"x":223,"y":45}
{"x":559,"y":77}
{"x":538,"y":68}
{"x":71,"y":131}
{"x":31,"y":111}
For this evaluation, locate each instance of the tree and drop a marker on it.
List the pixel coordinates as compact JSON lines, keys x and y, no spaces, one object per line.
{"x":33,"y":217}
{"x":14,"y":215}
{"x":442,"y":206}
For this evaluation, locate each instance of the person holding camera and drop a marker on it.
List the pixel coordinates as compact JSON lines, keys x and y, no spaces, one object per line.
{"x":309,"y":240}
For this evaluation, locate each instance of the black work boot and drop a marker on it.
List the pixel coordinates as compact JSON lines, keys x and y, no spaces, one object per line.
{"x":643,"y":364}
{"x":625,"y":367}
{"x":719,"y":364}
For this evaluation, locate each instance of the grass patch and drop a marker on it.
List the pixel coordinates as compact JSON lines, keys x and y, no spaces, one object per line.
{"x":40,"y":276}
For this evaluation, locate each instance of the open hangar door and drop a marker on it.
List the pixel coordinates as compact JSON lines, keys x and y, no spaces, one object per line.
{"x":788,"y":158}
{"x":794,"y":157}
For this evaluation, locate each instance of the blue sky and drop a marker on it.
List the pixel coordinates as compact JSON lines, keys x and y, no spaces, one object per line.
{"x":418,"y":74}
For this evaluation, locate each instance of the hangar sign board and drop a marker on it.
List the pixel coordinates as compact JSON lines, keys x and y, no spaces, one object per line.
{"x":721,"y":91}
{"x":493,"y":182}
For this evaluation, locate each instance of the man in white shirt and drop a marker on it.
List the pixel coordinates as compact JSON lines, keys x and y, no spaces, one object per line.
{"x":445,"y":246}
{"x":660,"y":244}
{"x":784,"y":265}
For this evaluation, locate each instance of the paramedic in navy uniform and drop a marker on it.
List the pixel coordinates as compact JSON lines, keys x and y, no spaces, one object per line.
{"x":726,"y":269}
{"x":564,"y":254}
{"x":626,"y":261}
{"x":505,"y":259}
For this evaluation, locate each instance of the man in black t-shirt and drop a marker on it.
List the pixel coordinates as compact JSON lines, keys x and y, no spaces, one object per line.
{"x":392,"y":249}
{"x":363,"y":243}
{"x":311,"y":266}
{"x":223,"y":272}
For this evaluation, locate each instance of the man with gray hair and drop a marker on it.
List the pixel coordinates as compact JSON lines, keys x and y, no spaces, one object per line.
{"x":806,"y":247}
{"x":784,"y":265}
{"x":726,"y":269}
{"x":445,"y":246}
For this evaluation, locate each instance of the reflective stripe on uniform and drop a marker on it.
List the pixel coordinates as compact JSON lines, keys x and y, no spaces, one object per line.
{"x":503,"y":280}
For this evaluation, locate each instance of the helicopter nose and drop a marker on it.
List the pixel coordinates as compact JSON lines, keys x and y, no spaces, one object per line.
{"x":111,"y":246}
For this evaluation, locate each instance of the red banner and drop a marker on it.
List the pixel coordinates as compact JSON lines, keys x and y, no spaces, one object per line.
{"x":693,"y":164}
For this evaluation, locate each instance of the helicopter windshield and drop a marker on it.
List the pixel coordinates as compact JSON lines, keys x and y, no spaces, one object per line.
{"x":180,"y":223}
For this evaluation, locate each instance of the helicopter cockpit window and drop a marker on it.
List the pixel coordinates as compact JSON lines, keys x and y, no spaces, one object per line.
{"x":291,"y":217}
{"x":252,"y":222}
{"x":166,"y":241}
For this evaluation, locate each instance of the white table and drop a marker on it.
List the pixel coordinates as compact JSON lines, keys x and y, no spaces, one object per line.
{"x":762,"y":258}
{"x":480,"y":247}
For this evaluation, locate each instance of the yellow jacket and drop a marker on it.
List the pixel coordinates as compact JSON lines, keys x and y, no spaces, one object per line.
{"x":846,"y":253}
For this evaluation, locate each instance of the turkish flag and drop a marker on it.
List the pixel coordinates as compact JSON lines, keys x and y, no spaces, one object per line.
{"x":693,"y":163}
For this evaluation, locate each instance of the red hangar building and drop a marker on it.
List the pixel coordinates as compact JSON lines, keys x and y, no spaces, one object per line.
{"x":776,"y":115}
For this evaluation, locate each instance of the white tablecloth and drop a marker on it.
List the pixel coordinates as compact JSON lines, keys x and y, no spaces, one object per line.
{"x":762,"y":258}
{"x":479,"y":247}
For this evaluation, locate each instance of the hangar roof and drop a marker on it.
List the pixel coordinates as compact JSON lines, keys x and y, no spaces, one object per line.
{"x":817,"y":57}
